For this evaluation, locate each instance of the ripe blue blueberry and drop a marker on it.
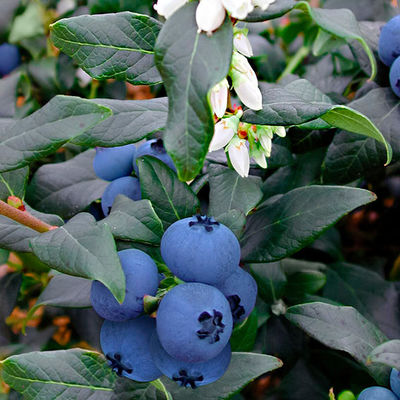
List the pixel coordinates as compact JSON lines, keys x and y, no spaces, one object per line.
{"x":141,"y":278}
{"x":190,"y":374}
{"x":9,"y":58}
{"x":126,"y":346}
{"x":127,"y":185}
{"x":240,"y":289}
{"x":114,"y":162}
{"x":389,"y":41}
{"x":199,"y":249}
{"x":377,"y":393}
{"x":395,"y":76}
{"x":395,"y":382}
{"x":194,"y":322}
{"x":156,"y":149}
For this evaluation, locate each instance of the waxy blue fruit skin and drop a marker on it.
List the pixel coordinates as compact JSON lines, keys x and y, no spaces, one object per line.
{"x":394,"y":76}
{"x":194,"y":322}
{"x":114,"y":162}
{"x":395,"y":382}
{"x":141,"y":276}
{"x":389,"y":41}
{"x":186,"y":374}
{"x":199,"y":249}
{"x":240,"y":289}
{"x":377,"y":393}
{"x":9,"y":58}
{"x":128,"y":186}
{"x":156,"y":149}
{"x":126,"y":346}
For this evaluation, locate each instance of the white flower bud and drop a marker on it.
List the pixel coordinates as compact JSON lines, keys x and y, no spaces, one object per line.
{"x":219,"y":97}
{"x":266,"y":144}
{"x":238,"y":8}
{"x":167,"y":7}
{"x":259,"y":158}
{"x":239,"y":156}
{"x":224,"y":131}
{"x":210,"y":15}
{"x":263,"y":4}
{"x":280,"y":131}
{"x":241,"y":64}
{"x":64,"y":6}
{"x":83,"y":78}
{"x":242,"y":44}
{"x":247,"y":90}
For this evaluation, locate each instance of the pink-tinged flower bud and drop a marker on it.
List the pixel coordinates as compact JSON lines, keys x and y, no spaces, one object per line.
{"x":239,"y":156}
{"x":238,"y":8}
{"x":266,"y":144}
{"x":280,"y":131}
{"x":167,"y":7}
{"x":219,"y":97}
{"x":242,"y":44}
{"x":224,"y":131}
{"x":263,"y":4}
{"x":210,"y":15}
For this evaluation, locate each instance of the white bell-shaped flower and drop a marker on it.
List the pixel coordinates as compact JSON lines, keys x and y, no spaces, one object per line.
{"x":241,"y":64}
{"x":239,"y":156}
{"x":238,"y":8}
{"x":167,"y":7}
{"x":224,"y":131}
{"x":210,"y":15}
{"x":247,"y":90}
{"x":263,"y":4}
{"x":219,"y":97}
{"x":280,"y":131}
{"x":266,"y":144}
{"x":259,"y":158}
{"x":242,"y":44}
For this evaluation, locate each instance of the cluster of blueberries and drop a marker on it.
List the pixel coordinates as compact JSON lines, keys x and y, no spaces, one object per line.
{"x":188,"y":340}
{"x":381,"y":393}
{"x":389,"y":51}
{"x":116,"y":164}
{"x":9,"y":58}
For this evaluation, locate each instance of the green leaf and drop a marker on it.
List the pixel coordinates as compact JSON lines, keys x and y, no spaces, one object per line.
{"x":275,"y":10}
{"x":126,"y":389}
{"x":43,"y":132}
{"x":3,"y":256}
{"x":8,"y":95}
{"x":171,"y":198}
{"x":13,"y":183}
{"x":61,"y":375}
{"x":235,"y":220}
{"x":280,"y":229}
{"x":119,"y":46}
{"x":84,"y":249}
{"x":387,"y":353}
{"x":104,"y":6}
{"x":244,"y":335}
{"x":134,"y":221}
{"x":305,"y":282}
{"x":132,"y":120}
{"x":341,"y":23}
{"x":66,"y":188}
{"x":244,"y":368}
{"x":190,"y":65}
{"x":228,"y":191}
{"x":340,"y":328}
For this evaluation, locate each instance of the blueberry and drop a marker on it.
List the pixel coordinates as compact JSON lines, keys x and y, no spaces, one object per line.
{"x":141,"y":278}
{"x":186,"y":374}
{"x":194,"y":322}
{"x":114,"y":162}
{"x":395,"y":77}
{"x":199,"y":249}
{"x":127,"y":186}
{"x":389,"y":42}
{"x":395,"y":381}
{"x":126,"y":346}
{"x":240,"y":289}
{"x":377,"y":393}
{"x":156,"y":149}
{"x":9,"y":58}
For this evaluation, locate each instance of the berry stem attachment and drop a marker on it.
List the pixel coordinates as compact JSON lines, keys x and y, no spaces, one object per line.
{"x":24,"y":218}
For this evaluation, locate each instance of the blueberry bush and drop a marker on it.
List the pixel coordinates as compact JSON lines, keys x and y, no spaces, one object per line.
{"x":199,"y":199}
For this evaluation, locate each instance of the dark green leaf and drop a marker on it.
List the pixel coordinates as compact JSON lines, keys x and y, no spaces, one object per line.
{"x":13,"y":183}
{"x":387,"y":353}
{"x":275,"y":10}
{"x":8,"y":95}
{"x":190,"y":65}
{"x":244,"y":335}
{"x":125,"y":389}
{"x":134,"y":221}
{"x":228,"y":191}
{"x":82,"y":248}
{"x":171,"y":198}
{"x":119,"y":46}
{"x":66,"y":188}
{"x":43,"y":132}
{"x":62,"y":375}
{"x":305,"y":282}
{"x":341,"y":328}
{"x":106,"y":6}
{"x":280,"y":229}
{"x":235,"y":220}
{"x":132,"y":120}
